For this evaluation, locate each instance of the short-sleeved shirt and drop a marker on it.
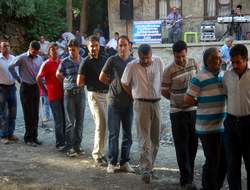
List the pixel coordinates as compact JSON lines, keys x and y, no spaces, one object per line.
{"x":91,"y":68}
{"x":175,"y":80}
{"x":210,"y":94}
{"x":145,"y":82}
{"x":114,"y":68}
{"x":69,"y":69}
{"x":54,"y":87}
{"x":5,"y":76}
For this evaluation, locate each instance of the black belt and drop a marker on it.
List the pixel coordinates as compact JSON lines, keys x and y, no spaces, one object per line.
{"x":239,"y":118}
{"x":6,"y":85}
{"x":74,"y":91}
{"x":148,"y":100}
{"x":100,"y":91}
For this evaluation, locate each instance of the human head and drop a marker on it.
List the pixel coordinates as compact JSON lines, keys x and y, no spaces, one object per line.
{"x":239,"y":58}
{"x":77,"y":33}
{"x":145,"y":54}
{"x":5,"y":48}
{"x":34,"y":48}
{"x":212,"y":60}
{"x":174,"y":9}
{"x":73,"y":47}
{"x":116,"y":35}
{"x":93,"y":46}
{"x":238,"y":9}
{"x":229,"y":41}
{"x":123,"y":46}
{"x":52,"y":51}
{"x":180,"y":52}
{"x":42,"y":39}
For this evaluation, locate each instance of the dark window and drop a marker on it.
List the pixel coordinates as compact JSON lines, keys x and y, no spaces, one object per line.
{"x":215,"y":8}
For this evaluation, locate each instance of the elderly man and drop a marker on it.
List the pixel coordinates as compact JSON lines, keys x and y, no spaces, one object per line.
{"x":142,"y":78}
{"x":224,"y":52}
{"x":8,"y":103}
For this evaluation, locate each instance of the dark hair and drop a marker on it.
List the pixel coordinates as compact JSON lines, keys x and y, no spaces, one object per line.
{"x":73,"y":42}
{"x":179,"y":46}
{"x":123,"y":37}
{"x":239,"y":6}
{"x":34,"y":45}
{"x":116,"y":33}
{"x":208,"y":52}
{"x":52,"y":45}
{"x":93,"y":38}
{"x":144,"y":49}
{"x":239,"y":49}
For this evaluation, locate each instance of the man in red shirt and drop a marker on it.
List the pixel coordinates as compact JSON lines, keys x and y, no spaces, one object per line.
{"x":54,"y":90}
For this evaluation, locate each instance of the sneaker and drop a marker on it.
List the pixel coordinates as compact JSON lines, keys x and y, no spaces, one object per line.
{"x":101,"y":162}
{"x":127,"y":168}
{"x":190,"y":187}
{"x":32,"y":144}
{"x":60,"y":148}
{"x":80,"y":151}
{"x":13,"y":138}
{"x":110,"y":169}
{"x":146,"y":177}
{"x":5,"y":140}
{"x":72,"y":153}
{"x":36,"y":141}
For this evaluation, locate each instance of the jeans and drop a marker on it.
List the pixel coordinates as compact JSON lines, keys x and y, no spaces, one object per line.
{"x":186,"y":142}
{"x":74,"y":107}
{"x":116,"y":115}
{"x":59,"y":121}
{"x":8,"y":106}
{"x":45,"y":108}
{"x":174,"y":35}
{"x":29,"y":95}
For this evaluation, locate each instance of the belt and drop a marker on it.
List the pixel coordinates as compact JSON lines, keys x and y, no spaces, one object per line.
{"x":6,"y":85}
{"x":74,"y":91}
{"x":148,"y":100}
{"x":100,"y":91}
{"x":239,"y":118}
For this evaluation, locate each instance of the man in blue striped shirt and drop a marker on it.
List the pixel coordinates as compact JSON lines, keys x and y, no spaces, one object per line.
{"x":206,"y":91}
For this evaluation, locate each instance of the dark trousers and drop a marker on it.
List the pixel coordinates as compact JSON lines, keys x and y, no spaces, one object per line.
{"x":214,"y":169}
{"x":29,"y":95}
{"x":237,"y":131}
{"x":186,"y":141}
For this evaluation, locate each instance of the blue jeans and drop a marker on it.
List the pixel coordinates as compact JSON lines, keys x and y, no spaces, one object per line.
{"x":116,"y":115}
{"x":59,"y":121}
{"x":74,"y":106}
{"x":45,"y":108}
{"x":8,"y":106}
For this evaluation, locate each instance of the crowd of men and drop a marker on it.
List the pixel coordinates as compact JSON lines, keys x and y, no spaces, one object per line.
{"x":203,"y":104}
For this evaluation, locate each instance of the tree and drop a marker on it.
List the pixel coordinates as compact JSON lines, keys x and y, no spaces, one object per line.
{"x":84,"y":17}
{"x":69,"y":15}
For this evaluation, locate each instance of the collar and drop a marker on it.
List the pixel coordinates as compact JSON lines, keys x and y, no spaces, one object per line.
{"x":29,"y":55}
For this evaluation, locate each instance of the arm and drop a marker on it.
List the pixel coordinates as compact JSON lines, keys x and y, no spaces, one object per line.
{"x":13,"y":71}
{"x":103,"y":77}
{"x":165,"y":91}
{"x":80,"y":80}
{"x":190,"y":100}
{"x":59,"y":76}
{"x":127,"y":89}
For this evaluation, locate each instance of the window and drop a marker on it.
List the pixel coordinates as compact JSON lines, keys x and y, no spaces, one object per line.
{"x":166,"y":5}
{"x":214,"y":8}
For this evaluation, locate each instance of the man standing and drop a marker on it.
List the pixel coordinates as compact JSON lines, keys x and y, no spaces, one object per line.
{"x":175,"y":81}
{"x":112,"y":45}
{"x":88,"y":74}
{"x":143,"y":77}
{"x":224,"y":52}
{"x":120,"y":107}
{"x":74,"y":99}
{"x":8,"y":103}
{"x":237,"y":127}
{"x":28,"y":66}
{"x":174,"y":22}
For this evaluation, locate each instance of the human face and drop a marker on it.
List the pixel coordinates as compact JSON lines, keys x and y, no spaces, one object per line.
{"x":94,"y":48}
{"x":239,"y":64}
{"x":180,"y":57}
{"x":214,"y":62}
{"x":53,"y":53}
{"x":42,"y":39}
{"x":238,"y":11}
{"x":145,"y":60}
{"x":123,"y":48}
{"x":33,"y":52}
{"x":73,"y":52}
{"x":229,"y":43}
{"x":5,"y":48}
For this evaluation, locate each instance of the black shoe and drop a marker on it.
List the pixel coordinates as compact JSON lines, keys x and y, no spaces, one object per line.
{"x":72,"y":153}
{"x":80,"y":151}
{"x":29,"y":143}
{"x":101,"y":162}
{"x":189,"y":187}
{"x":36,"y":141}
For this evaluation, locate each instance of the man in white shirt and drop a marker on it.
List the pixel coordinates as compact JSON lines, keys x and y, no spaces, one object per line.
{"x":8,"y":103}
{"x":112,"y":45}
{"x":237,"y":129}
{"x":44,"y":46}
{"x":142,"y":79}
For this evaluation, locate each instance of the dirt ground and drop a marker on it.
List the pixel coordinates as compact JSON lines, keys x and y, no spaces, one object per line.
{"x":43,"y":168}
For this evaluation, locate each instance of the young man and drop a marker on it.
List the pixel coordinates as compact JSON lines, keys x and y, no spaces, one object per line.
{"x":54,"y":90}
{"x":120,"y":107}
{"x":28,"y":65}
{"x":8,"y":103}
{"x":88,"y":75}
{"x":74,"y":99}
{"x":176,"y":78}
{"x":142,"y":78}
{"x":206,"y":91}
{"x":236,"y":83}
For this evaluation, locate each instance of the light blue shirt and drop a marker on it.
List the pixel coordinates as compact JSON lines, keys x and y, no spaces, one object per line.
{"x":224,"y":51}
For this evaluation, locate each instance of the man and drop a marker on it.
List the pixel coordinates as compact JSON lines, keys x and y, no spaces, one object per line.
{"x":55,"y":93}
{"x":143,"y":77}
{"x":102,"y":41}
{"x":236,"y":82}
{"x":74,"y":99}
{"x":224,"y":51}
{"x":206,"y":91}
{"x":8,"y":103}
{"x":120,"y":107}
{"x":44,"y":45}
{"x":175,"y":81}
{"x":175,"y":31}
{"x":28,"y":65}
{"x":88,"y":74}
{"x":112,"y":45}
{"x":238,"y":25}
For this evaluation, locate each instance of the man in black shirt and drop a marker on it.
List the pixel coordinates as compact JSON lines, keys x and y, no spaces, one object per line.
{"x":120,"y":107}
{"x":88,"y":75}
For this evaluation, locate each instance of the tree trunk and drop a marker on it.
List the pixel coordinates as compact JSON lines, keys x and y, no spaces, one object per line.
{"x":69,"y":15}
{"x":83,"y":17}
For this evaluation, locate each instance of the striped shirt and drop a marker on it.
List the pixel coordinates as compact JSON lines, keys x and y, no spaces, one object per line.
{"x":175,"y":80}
{"x":208,"y":89}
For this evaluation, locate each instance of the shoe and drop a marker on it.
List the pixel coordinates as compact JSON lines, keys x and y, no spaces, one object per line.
{"x":60,"y":148}
{"x":111,"y":169}
{"x":32,"y":144}
{"x":101,"y":162}
{"x":80,"y":151}
{"x":13,"y":138}
{"x":5,"y":140}
{"x":127,"y":168}
{"x":36,"y":141}
{"x":146,"y":177}
{"x":190,"y":187}
{"x":72,"y":153}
